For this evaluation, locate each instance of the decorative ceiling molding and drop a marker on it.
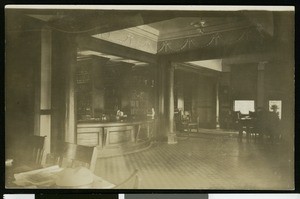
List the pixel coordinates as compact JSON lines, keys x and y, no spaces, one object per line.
{"x":213,"y":40}
{"x":140,"y":38}
{"x":198,"y":30}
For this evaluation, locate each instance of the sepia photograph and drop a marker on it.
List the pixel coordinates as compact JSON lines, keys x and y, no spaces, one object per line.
{"x":149,"y":97}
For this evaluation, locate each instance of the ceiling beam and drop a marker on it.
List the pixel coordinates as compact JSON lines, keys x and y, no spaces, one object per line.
{"x":90,"y":43}
{"x":199,"y":70}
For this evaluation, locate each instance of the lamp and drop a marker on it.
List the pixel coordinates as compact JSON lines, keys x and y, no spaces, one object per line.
{"x":199,"y":25}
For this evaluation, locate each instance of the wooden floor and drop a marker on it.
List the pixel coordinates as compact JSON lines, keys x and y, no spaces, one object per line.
{"x":204,"y":161}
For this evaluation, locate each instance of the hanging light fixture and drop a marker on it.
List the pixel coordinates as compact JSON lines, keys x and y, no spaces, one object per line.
{"x":199,"y":25}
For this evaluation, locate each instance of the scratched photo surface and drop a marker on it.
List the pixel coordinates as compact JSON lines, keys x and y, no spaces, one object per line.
{"x":149,"y":97}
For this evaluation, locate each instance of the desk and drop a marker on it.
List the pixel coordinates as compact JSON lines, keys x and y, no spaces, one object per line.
{"x":45,"y":179}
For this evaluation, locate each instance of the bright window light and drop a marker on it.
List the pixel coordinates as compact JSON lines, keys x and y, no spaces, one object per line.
{"x":244,"y":106}
{"x":275,"y":106}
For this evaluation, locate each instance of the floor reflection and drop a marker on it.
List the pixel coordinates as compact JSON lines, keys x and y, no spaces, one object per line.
{"x":205,"y":162}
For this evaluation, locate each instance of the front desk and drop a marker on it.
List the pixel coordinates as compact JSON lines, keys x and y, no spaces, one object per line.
{"x":116,"y":138}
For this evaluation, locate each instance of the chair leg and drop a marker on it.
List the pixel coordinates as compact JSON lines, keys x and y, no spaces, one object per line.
{"x":240,"y":135}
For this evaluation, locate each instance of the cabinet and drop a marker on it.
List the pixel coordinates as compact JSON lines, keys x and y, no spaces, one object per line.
{"x":90,"y":89}
{"x":104,"y":88}
{"x":84,"y":91}
{"x":142,"y":97}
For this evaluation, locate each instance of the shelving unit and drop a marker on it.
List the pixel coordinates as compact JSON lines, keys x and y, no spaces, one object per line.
{"x":84,"y":92}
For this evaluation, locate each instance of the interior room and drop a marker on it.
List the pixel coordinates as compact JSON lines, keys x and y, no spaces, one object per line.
{"x":156,"y":98}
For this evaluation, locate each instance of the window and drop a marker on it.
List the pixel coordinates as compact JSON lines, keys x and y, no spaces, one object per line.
{"x":244,"y":106}
{"x":275,"y":106}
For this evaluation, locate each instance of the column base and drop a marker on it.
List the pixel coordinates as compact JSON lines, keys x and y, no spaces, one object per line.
{"x":172,"y":138}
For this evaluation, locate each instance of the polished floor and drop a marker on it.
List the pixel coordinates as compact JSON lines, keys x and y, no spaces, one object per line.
{"x":207,"y":160}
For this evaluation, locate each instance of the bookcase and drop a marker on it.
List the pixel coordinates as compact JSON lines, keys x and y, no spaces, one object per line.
{"x":84,"y":91}
{"x":104,"y":88}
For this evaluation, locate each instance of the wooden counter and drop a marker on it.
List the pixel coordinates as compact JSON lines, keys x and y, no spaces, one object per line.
{"x":116,"y":138}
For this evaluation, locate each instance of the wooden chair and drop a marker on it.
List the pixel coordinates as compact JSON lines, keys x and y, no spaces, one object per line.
{"x":30,"y":154}
{"x":193,"y":125}
{"x":235,"y":118}
{"x":132,"y":182}
{"x":73,"y":155}
{"x":271,"y":128}
{"x":34,"y":149}
{"x":31,"y":150}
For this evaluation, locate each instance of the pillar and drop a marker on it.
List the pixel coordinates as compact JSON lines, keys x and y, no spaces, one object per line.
{"x":166,"y":101}
{"x":180,"y":95}
{"x":161,"y":127}
{"x":260,"y":85}
{"x":217,"y":104}
{"x":172,"y":139}
{"x":63,"y":87}
{"x":70,"y":120}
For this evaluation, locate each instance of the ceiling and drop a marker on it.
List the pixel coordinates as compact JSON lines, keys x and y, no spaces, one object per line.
{"x":188,"y":26}
{"x":183,"y":33}
{"x":156,"y":32}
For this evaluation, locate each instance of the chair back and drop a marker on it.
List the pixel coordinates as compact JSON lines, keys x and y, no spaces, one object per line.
{"x":72,"y":155}
{"x":132,"y":182}
{"x":252,"y":114}
{"x":34,"y":149}
{"x":236,"y":115}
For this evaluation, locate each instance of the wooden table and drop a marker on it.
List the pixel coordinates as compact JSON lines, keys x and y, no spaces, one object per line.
{"x":45,"y":179}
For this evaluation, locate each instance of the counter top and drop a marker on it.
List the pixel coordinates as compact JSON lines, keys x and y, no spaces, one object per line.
{"x":111,"y":124}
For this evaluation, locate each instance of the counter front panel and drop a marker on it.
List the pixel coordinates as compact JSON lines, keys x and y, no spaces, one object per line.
{"x":116,"y":138}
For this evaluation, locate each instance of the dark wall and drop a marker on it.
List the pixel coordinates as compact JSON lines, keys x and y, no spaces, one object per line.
{"x":241,"y":83}
{"x":244,"y":81}
{"x":22,"y":61}
{"x":206,"y":102}
{"x":199,"y":96}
